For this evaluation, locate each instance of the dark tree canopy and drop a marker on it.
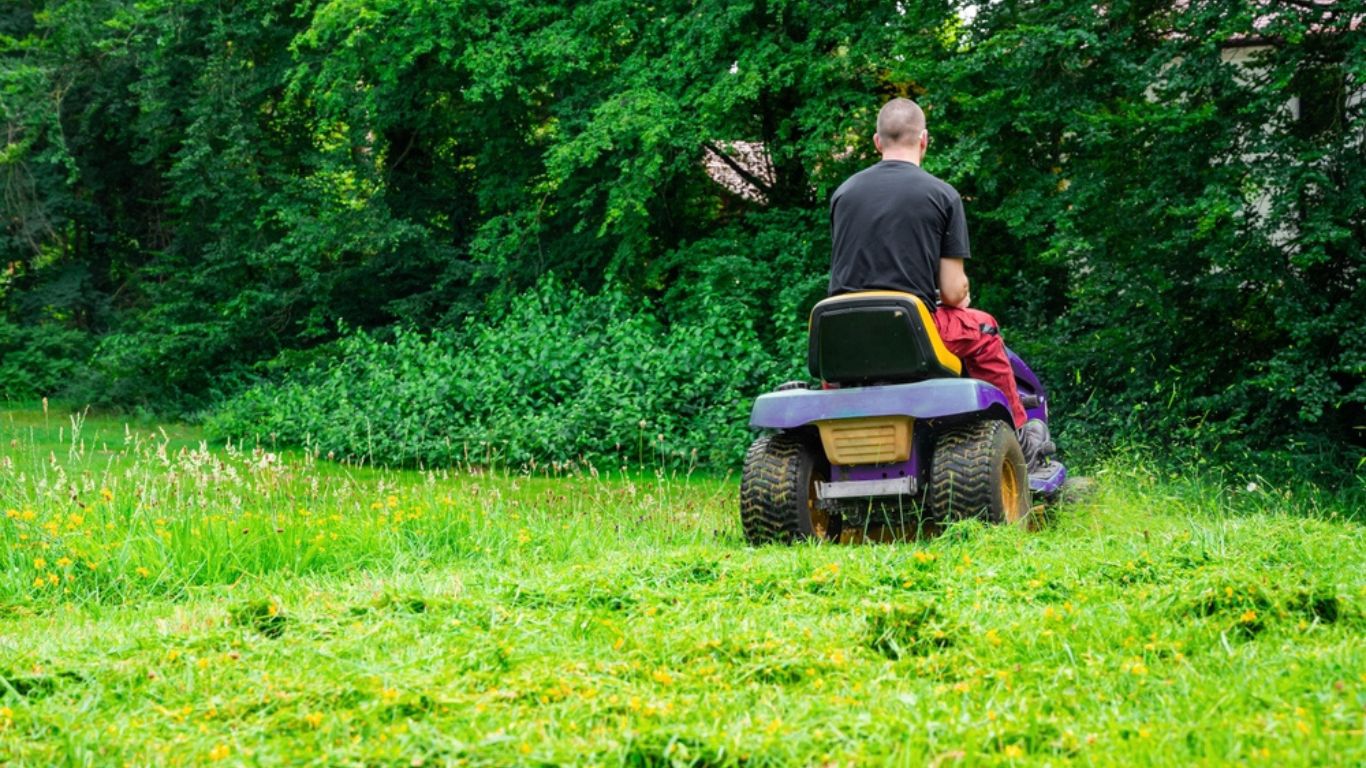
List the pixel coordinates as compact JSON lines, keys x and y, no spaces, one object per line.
{"x":1167,"y":200}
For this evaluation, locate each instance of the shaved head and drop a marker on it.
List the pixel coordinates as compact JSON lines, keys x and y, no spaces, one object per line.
{"x":900,"y":123}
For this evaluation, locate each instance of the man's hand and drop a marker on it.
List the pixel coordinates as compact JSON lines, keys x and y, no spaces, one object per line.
{"x":953,"y":284}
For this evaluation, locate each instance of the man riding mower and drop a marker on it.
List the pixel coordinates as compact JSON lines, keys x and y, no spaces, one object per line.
{"x":920,"y":400}
{"x":896,"y":433}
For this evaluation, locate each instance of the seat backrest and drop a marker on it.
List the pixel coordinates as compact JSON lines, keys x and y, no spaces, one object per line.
{"x":875,"y":337}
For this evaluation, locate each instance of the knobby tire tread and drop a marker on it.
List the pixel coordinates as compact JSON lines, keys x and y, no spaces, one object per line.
{"x":960,"y":482}
{"x":771,"y":488}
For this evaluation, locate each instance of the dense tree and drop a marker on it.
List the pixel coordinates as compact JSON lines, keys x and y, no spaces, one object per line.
{"x":1166,"y":200}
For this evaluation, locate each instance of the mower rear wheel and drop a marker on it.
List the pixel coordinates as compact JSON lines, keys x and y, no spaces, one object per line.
{"x":778,"y":492}
{"x":978,"y":470}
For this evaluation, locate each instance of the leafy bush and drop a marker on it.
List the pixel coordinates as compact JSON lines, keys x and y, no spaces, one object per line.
{"x":563,"y":375}
{"x":39,"y":360}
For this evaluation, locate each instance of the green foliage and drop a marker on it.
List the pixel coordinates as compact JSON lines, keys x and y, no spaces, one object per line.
{"x":1175,"y":246}
{"x":1165,"y":213}
{"x":561,"y":376}
{"x":45,"y":334}
{"x":39,"y":361}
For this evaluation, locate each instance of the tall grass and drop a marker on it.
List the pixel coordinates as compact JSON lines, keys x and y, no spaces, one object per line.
{"x":124,"y":514}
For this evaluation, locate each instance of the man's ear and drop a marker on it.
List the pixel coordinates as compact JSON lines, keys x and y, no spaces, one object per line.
{"x":924,"y":142}
{"x":877,"y":143}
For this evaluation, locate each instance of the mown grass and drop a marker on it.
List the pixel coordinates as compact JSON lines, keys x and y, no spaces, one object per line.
{"x":164,"y":603}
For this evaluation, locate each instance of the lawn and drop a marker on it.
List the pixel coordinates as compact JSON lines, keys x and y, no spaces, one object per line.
{"x":167,"y":602}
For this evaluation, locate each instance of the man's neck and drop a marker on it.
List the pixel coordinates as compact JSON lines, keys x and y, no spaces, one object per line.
{"x":905,"y":155}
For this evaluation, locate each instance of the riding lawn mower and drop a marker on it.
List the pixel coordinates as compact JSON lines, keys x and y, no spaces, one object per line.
{"x":893,"y":436}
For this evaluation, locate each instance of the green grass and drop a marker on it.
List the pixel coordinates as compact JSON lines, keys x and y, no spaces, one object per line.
{"x":164,"y":603}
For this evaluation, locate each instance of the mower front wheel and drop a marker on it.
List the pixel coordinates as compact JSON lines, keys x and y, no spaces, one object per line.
{"x":978,"y":470}
{"x":778,"y":492}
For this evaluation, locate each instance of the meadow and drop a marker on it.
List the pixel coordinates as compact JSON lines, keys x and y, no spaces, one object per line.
{"x":164,"y":601}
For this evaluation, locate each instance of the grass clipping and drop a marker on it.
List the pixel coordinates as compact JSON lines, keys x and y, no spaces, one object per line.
{"x":164,"y":602}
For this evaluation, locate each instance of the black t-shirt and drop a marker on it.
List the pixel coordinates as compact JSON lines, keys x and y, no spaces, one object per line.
{"x":891,"y":223}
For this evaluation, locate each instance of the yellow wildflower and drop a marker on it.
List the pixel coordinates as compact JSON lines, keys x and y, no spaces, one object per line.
{"x":63,"y":562}
{"x":39,"y":563}
{"x":1248,"y":616}
{"x":220,"y":752}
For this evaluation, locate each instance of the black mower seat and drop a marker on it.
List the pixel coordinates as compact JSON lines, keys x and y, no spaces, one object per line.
{"x":877,"y":337}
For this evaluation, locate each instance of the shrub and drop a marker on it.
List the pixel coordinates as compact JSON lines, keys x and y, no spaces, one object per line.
{"x":40,"y":360}
{"x":562,"y":376}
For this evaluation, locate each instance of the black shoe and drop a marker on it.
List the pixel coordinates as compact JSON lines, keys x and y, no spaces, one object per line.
{"x":1035,"y":444}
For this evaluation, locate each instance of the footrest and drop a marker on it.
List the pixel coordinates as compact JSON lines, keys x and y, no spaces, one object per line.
{"x":1048,"y":479}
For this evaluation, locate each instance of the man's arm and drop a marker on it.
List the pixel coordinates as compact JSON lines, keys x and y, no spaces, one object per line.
{"x":953,"y":284}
